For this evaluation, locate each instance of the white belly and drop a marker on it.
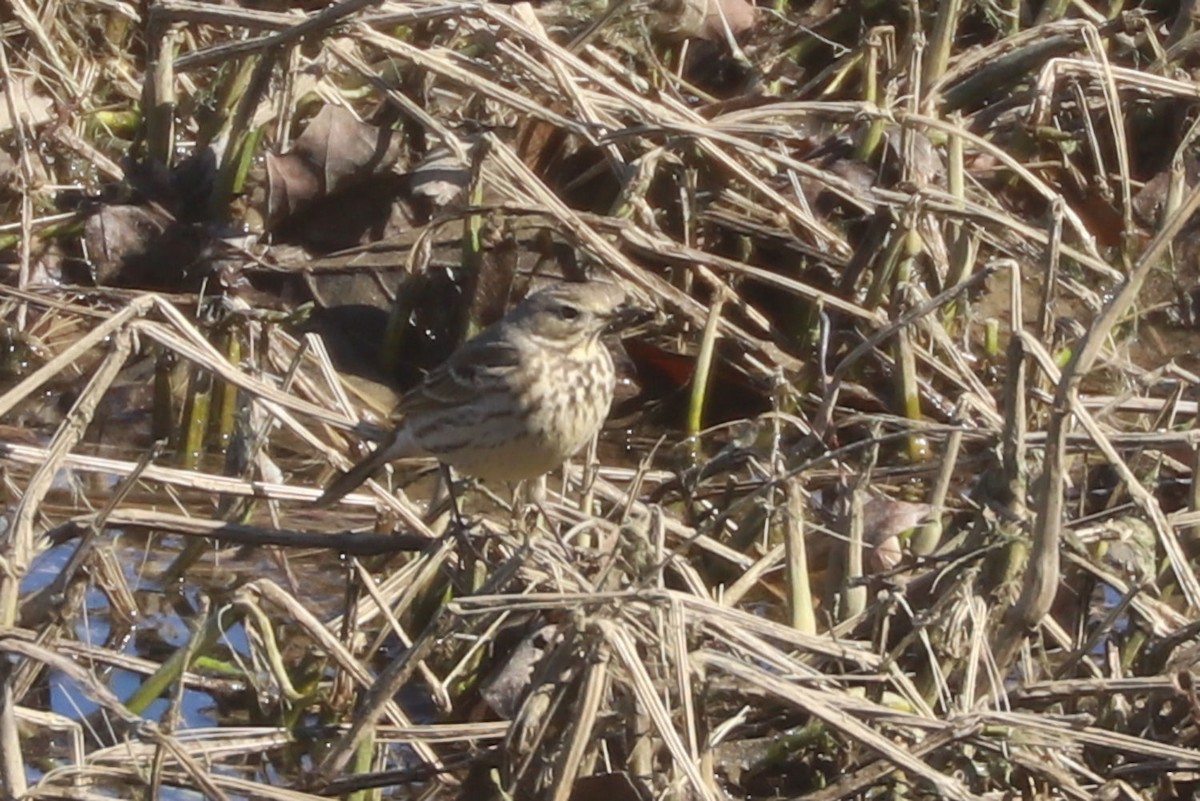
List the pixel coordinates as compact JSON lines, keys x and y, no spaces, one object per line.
{"x":529,"y":433}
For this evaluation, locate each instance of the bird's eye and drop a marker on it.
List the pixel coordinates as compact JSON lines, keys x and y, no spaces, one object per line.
{"x":568,"y":312}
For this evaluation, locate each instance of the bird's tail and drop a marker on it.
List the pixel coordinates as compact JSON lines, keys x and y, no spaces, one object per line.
{"x":393,"y":448}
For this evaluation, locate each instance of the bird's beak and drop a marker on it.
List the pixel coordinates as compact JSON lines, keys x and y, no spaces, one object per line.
{"x":627,"y":315}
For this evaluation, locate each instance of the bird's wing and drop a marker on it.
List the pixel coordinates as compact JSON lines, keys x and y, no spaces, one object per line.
{"x":479,"y":366}
{"x":397,"y":444}
{"x":473,"y":368}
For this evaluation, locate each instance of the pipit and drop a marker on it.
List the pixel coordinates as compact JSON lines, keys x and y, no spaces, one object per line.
{"x":517,"y":400}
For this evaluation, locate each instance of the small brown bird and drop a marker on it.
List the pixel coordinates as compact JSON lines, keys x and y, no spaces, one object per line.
{"x":515,"y":401}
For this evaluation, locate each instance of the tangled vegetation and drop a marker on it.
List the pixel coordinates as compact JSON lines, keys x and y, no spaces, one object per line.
{"x":898,"y":497}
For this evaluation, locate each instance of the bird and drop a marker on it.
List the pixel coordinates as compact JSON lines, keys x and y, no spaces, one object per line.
{"x":518,"y":399}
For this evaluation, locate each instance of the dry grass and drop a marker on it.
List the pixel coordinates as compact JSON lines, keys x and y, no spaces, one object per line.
{"x":920,"y":516}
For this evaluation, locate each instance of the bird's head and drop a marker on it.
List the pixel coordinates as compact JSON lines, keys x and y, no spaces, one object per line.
{"x":575,"y":313}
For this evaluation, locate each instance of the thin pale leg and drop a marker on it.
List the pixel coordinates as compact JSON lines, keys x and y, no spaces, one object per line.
{"x":448,"y":481}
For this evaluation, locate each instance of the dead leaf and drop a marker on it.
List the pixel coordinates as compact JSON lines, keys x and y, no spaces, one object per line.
{"x":135,"y":246}
{"x":441,"y":177}
{"x":116,"y":235}
{"x":505,"y":688}
{"x":338,"y":161}
{"x":606,"y":787}
{"x":373,"y":211}
{"x":344,"y":149}
{"x":1151,"y":199}
{"x":884,"y":520}
{"x":293,"y":183}
{"x":704,"y":19}
{"x":31,"y":107}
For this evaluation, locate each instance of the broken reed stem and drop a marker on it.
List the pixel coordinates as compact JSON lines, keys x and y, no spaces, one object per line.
{"x":704,"y":363}
{"x":159,"y":96}
{"x":853,"y":589}
{"x":929,"y":535}
{"x":799,"y":587}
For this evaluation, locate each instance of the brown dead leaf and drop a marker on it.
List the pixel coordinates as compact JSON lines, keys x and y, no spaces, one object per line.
{"x":31,"y":106}
{"x":704,"y":19}
{"x":606,"y":787}
{"x":344,"y":149}
{"x":135,"y":246}
{"x":884,"y":520}
{"x":441,"y":176}
{"x":116,"y":235}
{"x":505,"y":688}
{"x":293,"y":183}
{"x":373,"y":211}
{"x":336,"y":161}
{"x":1151,"y":199}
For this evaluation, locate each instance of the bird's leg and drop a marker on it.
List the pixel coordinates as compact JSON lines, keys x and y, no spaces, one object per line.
{"x":535,"y":494}
{"x":459,"y":530}
{"x":448,"y":480}
{"x":529,"y":502}
{"x":534,"y":505}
